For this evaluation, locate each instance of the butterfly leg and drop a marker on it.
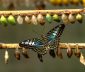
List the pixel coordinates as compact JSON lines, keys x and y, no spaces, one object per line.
{"x":40,"y":57}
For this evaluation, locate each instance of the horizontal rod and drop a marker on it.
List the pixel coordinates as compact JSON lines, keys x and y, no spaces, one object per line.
{"x":43,"y":12}
{"x":61,"y":45}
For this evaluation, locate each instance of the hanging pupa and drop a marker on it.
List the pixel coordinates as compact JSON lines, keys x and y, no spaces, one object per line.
{"x":69,"y":52}
{"x":40,"y":19}
{"x":25,"y":53}
{"x":11,"y":6}
{"x":59,"y":53}
{"x":83,"y":3}
{"x":3,"y":20}
{"x":34,"y":20}
{"x":6,"y":56}
{"x":77,"y":52}
{"x":40,"y":57}
{"x":20,"y":20}
{"x":48,"y":18}
{"x":11,"y":20}
{"x":71,"y":1}
{"x":79,"y":18}
{"x":80,"y":1}
{"x":64,"y":18}
{"x":71,"y":18}
{"x":27,"y":20}
{"x":56,"y":18}
{"x":39,"y":4}
{"x":53,"y":2}
{"x":75,"y":2}
{"x":52,"y":53}
{"x":17,"y":54}
{"x":65,"y":2}
{"x":58,"y":2}
{"x":82,"y":59}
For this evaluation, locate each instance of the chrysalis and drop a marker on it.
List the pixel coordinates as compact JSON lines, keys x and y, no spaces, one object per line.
{"x":64,"y":18}
{"x":3,"y":20}
{"x":11,"y":20}
{"x":20,"y":20}
{"x":40,"y":57}
{"x":11,"y":6}
{"x":6,"y":57}
{"x":52,"y":53}
{"x":56,"y":18}
{"x":17,"y":54}
{"x":75,"y":2}
{"x":69,"y":52}
{"x":48,"y":18}
{"x":27,"y":19}
{"x":77,"y":52}
{"x":39,"y":4}
{"x":82,"y":59}
{"x":58,"y":2}
{"x":71,"y":18}
{"x":83,"y":3}
{"x":53,"y":2}
{"x":34,"y":20}
{"x":40,"y":19}
{"x":79,"y":18}
{"x":59,"y":53}
{"x":24,"y":53}
{"x":65,"y":2}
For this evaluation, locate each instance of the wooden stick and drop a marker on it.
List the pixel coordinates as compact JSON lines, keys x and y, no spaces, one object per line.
{"x":43,"y":12}
{"x":61,"y":45}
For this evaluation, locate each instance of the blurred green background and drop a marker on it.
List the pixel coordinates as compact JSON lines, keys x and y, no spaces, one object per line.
{"x":11,"y":34}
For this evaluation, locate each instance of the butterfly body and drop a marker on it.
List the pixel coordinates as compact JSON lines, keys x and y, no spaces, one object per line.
{"x":31,"y":43}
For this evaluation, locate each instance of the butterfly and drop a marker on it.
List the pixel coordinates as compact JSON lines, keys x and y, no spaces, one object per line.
{"x":48,"y":42}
